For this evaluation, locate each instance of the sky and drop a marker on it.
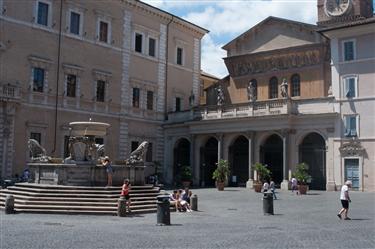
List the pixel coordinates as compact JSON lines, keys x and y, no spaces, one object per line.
{"x":226,"y":19}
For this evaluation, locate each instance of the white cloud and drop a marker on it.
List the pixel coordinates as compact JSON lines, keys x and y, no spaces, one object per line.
{"x":212,"y":55}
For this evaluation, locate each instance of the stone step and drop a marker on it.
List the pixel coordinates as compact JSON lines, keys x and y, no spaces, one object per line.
{"x":70,"y":207}
{"x":47,"y":186}
{"x":83,"y":191}
{"x":38,"y":198}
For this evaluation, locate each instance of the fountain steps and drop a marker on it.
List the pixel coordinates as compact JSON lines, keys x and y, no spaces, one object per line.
{"x":37,"y":198}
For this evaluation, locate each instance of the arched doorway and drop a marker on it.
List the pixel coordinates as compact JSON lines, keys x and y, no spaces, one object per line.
{"x":208,"y":162}
{"x":181,"y":157}
{"x":239,"y":161}
{"x":312,"y":151}
{"x":271,"y":153}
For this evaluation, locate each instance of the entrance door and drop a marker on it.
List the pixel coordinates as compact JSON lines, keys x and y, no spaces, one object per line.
{"x":208,"y":162}
{"x":181,"y":157}
{"x":239,"y":161}
{"x":272,"y":155}
{"x":352,"y":172}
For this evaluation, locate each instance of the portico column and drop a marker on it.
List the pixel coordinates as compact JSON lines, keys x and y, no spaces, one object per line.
{"x":250,"y":182}
{"x":219,"y":146}
{"x":192,"y":156}
{"x":285,"y":182}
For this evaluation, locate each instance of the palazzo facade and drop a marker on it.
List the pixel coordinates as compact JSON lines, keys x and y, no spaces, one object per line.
{"x":280,"y":106}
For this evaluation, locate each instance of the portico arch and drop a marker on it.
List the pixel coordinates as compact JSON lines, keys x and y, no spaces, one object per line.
{"x":271,"y":154}
{"x":181,"y":156}
{"x":312,"y":151}
{"x":239,"y":160}
{"x":208,"y":160}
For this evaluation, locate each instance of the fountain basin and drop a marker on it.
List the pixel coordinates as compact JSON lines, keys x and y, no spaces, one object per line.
{"x":82,"y":129}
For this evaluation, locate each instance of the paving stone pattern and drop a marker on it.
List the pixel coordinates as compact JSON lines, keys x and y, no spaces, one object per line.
{"x":229,"y":219}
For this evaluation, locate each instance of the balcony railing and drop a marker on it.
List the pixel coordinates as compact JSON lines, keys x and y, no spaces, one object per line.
{"x":10,"y":93}
{"x":258,"y":108}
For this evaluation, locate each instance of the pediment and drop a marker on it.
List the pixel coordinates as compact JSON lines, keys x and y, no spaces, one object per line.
{"x":273,"y":34}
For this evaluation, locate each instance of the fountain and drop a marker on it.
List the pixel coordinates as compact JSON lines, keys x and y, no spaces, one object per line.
{"x":83,"y":166}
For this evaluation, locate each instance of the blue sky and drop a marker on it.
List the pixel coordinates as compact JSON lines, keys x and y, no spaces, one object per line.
{"x":226,"y":19}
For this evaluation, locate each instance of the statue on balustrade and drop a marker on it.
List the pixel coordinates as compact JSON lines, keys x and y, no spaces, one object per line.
{"x":251,"y":91}
{"x":220,"y":95}
{"x":284,"y":88}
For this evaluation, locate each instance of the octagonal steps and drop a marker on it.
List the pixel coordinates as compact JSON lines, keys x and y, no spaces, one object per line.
{"x":39,"y":198}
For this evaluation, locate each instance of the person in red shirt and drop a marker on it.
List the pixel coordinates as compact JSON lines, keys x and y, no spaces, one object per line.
{"x":125,"y":193}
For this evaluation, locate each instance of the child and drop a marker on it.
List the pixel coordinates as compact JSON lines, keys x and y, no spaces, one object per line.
{"x":125,"y":193}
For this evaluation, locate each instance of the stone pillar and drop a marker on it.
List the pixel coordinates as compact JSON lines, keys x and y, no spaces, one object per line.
{"x":192,"y":153}
{"x":331,"y":185}
{"x":285,"y":182}
{"x":250,"y":182}
{"x":219,"y":146}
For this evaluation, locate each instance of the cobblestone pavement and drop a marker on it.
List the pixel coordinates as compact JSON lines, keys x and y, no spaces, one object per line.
{"x":229,"y":219}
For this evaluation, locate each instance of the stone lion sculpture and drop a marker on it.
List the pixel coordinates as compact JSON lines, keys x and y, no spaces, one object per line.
{"x":38,"y":153}
{"x":137,"y":155}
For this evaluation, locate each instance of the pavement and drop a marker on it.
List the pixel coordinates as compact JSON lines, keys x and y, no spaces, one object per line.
{"x":226,"y":219}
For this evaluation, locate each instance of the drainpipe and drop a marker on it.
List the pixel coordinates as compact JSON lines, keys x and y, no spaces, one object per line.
{"x":57,"y":77}
{"x":166,"y":73}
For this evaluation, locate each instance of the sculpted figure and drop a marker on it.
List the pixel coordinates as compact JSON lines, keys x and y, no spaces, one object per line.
{"x":38,"y":153}
{"x":284,"y":88}
{"x":251,"y":91}
{"x":137,"y":155}
{"x":220,"y":95}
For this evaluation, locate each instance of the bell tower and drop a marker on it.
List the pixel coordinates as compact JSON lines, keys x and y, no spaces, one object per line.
{"x":331,"y":12}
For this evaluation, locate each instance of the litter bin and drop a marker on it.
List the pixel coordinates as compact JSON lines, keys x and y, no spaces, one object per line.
{"x":194,"y":202}
{"x":268,"y":203}
{"x":163,"y":212}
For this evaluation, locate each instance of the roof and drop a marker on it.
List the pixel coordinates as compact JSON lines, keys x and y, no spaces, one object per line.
{"x":349,"y":24}
{"x":272,"y":18}
{"x":203,"y":73}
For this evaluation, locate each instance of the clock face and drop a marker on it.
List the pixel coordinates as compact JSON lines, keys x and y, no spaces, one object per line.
{"x":336,"y":7}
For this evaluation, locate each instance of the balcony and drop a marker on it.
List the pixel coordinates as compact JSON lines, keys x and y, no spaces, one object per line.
{"x":256,"y":109}
{"x":10,"y":93}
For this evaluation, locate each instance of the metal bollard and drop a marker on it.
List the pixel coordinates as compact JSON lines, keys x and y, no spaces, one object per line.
{"x":163,"y":210}
{"x":194,"y":202}
{"x":121,"y":207}
{"x":268,"y":203}
{"x":9,"y":204}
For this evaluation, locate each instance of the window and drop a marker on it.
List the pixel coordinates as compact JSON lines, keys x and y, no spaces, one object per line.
{"x":273,"y":90}
{"x":36,"y":136}
{"x":66,"y":146}
{"x":75,"y":23}
{"x":151,"y":47}
{"x":100,"y":90}
{"x":71,"y":82}
{"x":138,"y":42}
{"x":42,"y":17}
{"x":350,"y":87}
{"x":150,"y":100}
{"x":134,"y":145}
{"x":179,"y":56}
{"x":136,"y":97}
{"x":149,"y":153}
{"x":296,"y":88}
{"x":349,"y":52}
{"x":103,"y":31}
{"x":178,"y":104}
{"x":351,"y":126}
{"x":38,"y":79}
{"x":99,"y":140}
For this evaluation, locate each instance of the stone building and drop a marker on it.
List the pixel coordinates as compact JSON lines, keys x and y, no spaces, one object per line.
{"x":283,"y":103}
{"x":123,"y":62}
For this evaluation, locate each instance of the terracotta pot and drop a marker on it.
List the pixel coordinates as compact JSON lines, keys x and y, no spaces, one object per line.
{"x":257,"y":187}
{"x":220,"y":186}
{"x":302,"y":189}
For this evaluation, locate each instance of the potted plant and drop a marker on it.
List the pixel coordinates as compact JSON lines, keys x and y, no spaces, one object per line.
{"x":186,"y":176}
{"x":302,"y":176}
{"x":263,"y":173}
{"x":221,"y":174}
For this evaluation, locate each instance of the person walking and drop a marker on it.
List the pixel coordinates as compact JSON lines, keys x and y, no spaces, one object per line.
{"x":108,"y":168}
{"x":345,"y":199}
{"x":125,"y":193}
{"x":294,"y":185}
{"x":272,"y":187}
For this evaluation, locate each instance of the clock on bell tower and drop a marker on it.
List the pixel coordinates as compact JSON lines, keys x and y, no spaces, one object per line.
{"x":331,"y":12}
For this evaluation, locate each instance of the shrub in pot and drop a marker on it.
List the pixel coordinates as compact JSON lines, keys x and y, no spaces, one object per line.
{"x":302,"y":176}
{"x":263,"y":174}
{"x":221,"y":174}
{"x":186,"y":176}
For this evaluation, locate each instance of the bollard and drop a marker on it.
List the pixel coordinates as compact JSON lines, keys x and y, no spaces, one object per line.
{"x":163,"y":210}
{"x":9,"y":204}
{"x":268,"y":203}
{"x":194,"y":202}
{"x":121,"y":207}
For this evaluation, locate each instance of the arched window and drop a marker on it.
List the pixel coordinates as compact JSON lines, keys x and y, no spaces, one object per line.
{"x":273,"y":88}
{"x":253,"y":89}
{"x":296,"y":89}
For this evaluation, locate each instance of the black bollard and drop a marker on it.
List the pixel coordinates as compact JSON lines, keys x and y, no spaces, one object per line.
{"x":121,"y":207}
{"x":194,"y":202}
{"x":268,"y":203}
{"x":9,"y":204}
{"x":163,"y":210}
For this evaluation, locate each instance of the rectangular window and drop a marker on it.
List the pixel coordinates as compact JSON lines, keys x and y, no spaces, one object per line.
{"x":99,"y":140}
{"x":150,"y":100}
{"x":134,"y":145}
{"x":71,"y":83}
{"x":350,"y":87}
{"x":43,"y":13}
{"x":36,"y":136}
{"x":38,"y":80}
{"x":179,"y":56}
{"x":103,"y":31}
{"x":348,"y":50}
{"x":100,"y":90}
{"x":136,"y":97}
{"x":149,"y":153}
{"x":351,"y":126}
{"x":138,"y":42}
{"x":178,"y":104}
{"x":66,"y":146}
{"x":151,"y":47}
{"x":74,"y":23}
